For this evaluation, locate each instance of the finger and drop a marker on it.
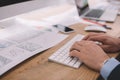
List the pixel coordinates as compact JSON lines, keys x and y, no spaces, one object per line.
{"x":97,"y":38}
{"x":105,"y":48}
{"x":84,"y":43}
{"x":86,"y":37}
{"x":78,"y":55}
{"x":76,"y":46}
{"x":91,"y":34}
{"x":75,"y":49}
{"x":74,"y":53}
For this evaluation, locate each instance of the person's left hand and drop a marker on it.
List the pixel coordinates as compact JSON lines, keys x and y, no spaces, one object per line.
{"x":89,"y":53}
{"x":108,"y":43}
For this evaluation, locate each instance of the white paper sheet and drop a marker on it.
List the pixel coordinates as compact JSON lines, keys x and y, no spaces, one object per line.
{"x":22,"y":42}
{"x":66,"y":18}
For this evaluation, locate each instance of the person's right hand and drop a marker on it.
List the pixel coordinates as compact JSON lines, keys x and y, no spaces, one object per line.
{"x":89,"y":53}
{"x":109,"y":44}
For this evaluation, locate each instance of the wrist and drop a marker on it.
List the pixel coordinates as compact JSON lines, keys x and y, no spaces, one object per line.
{"x":108,"y":67}
{"x":104,"y":62}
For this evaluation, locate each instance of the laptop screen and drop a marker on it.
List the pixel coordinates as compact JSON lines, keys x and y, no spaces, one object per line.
{"x":82,"y":6}
{"x":81,"y":3}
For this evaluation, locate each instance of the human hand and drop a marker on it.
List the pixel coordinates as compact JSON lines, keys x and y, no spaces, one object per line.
{"x":109,"y":44}
{"x":89,"y":53}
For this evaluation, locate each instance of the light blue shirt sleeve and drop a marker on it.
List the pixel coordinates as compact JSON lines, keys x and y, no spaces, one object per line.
{"x":108,"y":67}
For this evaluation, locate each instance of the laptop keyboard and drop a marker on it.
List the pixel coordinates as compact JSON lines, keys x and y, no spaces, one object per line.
{"x":62,"y":55}
{"x":95,"y":13}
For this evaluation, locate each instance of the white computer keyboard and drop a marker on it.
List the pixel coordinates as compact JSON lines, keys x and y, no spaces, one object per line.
{"x":62,"y":55}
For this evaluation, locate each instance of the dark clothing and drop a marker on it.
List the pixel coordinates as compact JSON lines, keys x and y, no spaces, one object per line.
{"x":115,"y":74}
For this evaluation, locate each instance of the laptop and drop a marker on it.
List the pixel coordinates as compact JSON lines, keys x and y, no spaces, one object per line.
{"x":95,"y":14}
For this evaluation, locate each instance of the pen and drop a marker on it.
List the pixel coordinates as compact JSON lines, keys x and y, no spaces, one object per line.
{"x":105,"y":26}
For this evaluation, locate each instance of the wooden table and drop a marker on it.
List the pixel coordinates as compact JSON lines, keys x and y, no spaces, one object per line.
{"x":39,"y":68}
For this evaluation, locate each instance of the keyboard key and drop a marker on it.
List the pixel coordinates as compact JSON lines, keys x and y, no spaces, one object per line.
{"x":67,"y":60}
{"x":77,"y":64}
{"x":74,"y":60}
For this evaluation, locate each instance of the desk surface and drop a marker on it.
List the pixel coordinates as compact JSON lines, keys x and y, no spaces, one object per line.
{"x":39,"y":68}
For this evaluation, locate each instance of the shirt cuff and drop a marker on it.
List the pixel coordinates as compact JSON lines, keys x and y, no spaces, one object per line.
{"x":108,"y":67}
